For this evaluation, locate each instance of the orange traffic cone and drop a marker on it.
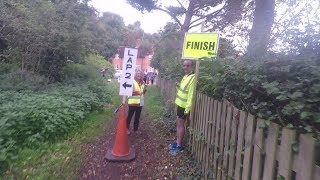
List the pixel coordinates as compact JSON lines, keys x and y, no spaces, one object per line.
{"x":121,"y":150}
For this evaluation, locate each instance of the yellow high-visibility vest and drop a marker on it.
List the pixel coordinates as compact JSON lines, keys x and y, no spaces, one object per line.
{"x":136,"y":99}
{"x":185,"y":93}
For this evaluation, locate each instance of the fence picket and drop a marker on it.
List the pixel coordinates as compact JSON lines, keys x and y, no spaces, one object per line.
{"x":316,"y":174}
{"x":271,"y":147}
{"x":195,"y":127}
{"x":204,"y":131}
{"x":306,"y":158}
{"x":233,"y":139}
{"x":201,"y":131}
{"x":204,"y":137}
{"x":216,"y":140}
{"x":221,"y":140}
{"x":199,"y":128}
{"x":214,"y":123}
{"x":241,"y":130}
{"x":248,"y":148}
{"x":209,"y":136}
{"x":285,"y":153}
{"x":258,"y":151}
{"x":226,"y":142}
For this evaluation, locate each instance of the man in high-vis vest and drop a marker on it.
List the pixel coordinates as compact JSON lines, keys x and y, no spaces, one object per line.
{"x":184,"y":103}
{"x":136,"y":101}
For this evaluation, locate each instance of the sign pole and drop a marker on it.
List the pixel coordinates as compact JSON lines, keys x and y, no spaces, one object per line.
{"x":194,"y":98}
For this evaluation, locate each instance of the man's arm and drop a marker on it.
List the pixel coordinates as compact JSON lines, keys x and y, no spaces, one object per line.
{"x":190,"y":96}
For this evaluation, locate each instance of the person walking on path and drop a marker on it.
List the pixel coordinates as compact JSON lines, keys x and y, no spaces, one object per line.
{"x":145,"y":77}
{"x":152,"y":77}
{"x":136,"y":101}
{"x":183,"y":101}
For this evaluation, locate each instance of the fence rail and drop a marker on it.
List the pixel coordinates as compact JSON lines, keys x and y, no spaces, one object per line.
{"x":233,"y":144}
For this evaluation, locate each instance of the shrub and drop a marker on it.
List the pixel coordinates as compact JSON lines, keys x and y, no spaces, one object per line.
{"x":34,"y":113}
{"x":18,"y":80}
{"x":29,"y":118}
{"x":79,"y":72}
{"x":89,"y":69}
{"x":285,"y":92}
{"x":6,"y":68}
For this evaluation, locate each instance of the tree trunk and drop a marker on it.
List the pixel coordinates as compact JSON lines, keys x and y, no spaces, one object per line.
{"x":261,"y":28}
{"x":187,"y":21}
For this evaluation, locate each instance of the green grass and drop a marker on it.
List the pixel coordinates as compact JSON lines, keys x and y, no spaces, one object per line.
{"x":62,"y":160}
{"x":154,"y":105}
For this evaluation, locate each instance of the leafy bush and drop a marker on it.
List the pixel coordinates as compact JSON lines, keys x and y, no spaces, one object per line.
{"x":79,"y":72}
{"x":18,"y":80}
{"x":89,"y":69}
{"x":6,"y":68}
{"x":29,"y":118}
{"x":33,"y":111}
{"x":98,"y":62}
{"x":286,"y":92}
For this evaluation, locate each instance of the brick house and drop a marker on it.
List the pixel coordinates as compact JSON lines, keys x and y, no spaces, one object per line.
{"x":143,"y":62}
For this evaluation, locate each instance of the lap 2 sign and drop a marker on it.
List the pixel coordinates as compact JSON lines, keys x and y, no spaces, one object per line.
{"x":128,"y":71}
{"x":200,"y":45}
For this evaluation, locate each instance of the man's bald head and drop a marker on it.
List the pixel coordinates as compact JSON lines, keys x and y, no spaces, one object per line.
{"x":187,"y":66}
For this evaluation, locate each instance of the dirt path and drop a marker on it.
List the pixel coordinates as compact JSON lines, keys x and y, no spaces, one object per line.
{"x":152,"y":158}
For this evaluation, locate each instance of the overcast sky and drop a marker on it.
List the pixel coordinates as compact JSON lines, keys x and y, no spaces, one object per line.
{"x":150,"y":22}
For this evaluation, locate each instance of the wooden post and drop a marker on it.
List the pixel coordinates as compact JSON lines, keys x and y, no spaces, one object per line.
{"x":196,"y":74}
{"x":124,"y":99}
{"x":195,"y":89}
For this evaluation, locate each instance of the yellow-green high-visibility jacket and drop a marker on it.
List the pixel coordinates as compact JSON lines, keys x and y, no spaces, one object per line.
{"x":185,"y":93}
{"x":135,"y":98}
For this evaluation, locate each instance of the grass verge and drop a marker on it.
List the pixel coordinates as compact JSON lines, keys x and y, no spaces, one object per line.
{"x":62,"y":160}
{"x":155,"y":109}
{"x":154,"y":105}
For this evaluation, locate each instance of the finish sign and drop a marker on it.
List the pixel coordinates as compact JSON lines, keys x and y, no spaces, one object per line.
{"x":128,"y":71}
{"x":200,"y":45}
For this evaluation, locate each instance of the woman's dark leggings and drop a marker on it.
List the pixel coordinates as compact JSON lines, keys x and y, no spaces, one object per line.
{"x":137,"y":111}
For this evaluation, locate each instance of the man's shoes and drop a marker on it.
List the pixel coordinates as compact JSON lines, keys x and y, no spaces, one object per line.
{"x":176,"y":150}
{"x":172,"y":145}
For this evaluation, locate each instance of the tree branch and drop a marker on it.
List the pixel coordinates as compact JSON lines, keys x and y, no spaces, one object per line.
{"x":169,"y":13}
{"x":277,"y":25}
{"x":203,"y":17}
{"x":181,"y":5}
{"x":200,"y":6}
{"x":192,"y":26}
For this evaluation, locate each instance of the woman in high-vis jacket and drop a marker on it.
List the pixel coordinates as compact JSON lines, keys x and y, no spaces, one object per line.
{"x":136,"y":101}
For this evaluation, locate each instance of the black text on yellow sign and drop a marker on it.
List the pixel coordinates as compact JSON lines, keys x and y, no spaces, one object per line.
{"x":200,"y":45}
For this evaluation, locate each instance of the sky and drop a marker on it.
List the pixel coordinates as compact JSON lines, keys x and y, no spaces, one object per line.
{"x":154,"y":21}
{"x":150,"y":22}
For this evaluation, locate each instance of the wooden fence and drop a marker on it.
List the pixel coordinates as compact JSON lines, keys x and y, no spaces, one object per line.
{"x":168,"y":92}
{"x":232,"y":144}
